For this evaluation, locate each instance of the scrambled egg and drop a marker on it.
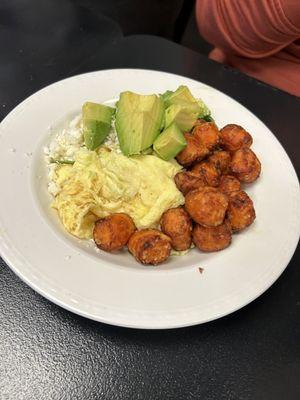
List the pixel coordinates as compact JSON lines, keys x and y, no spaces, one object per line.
{"x":105,"y":182}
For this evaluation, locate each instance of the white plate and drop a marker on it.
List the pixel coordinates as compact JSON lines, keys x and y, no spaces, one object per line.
{"x":114,"y":288}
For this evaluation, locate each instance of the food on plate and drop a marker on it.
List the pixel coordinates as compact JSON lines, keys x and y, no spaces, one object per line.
{"x":150,"y":246}
{"x":169,"y":143}
{"x":234,"y":137}
{"x":183,"y":108}
{"x":221,"y":160}
{"x":187,"y":181}
{"x":229,"y":184}
{"x":113,"y":232}
{"x":183,"y":95}
{"x":245,"y":165}
{"x":207,"y":133}
{"x":139,"y":120}
{"x":208,"y":171}
{"x":207,"y":206}
{"x":184,"y":116}
{"x":212,"y":238}
{"x":193,"y":152}
{"x":240,"y":211}
{"x":105,"y":182}
{"x":96,"y":123}
{"x":152,"y":173}
{"x":177,"y":224}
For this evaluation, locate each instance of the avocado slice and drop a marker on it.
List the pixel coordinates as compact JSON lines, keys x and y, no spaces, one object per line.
{"x":139,"y":119}
{"x":169,"y":143}
{"x":184,"y":116}
{"x":96,"y":120}
{"x":184,"y":97}
{"x":165,"y":96}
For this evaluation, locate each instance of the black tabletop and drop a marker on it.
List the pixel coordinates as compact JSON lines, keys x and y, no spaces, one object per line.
{"x":49,"y":353}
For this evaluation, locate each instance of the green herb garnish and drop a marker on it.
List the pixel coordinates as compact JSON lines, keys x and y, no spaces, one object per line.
{"x":62,"y":161}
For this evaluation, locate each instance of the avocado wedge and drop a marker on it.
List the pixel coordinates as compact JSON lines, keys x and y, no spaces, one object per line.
{"x":184,"y":116}
{"x":169,"y":143}
{"x":183,"y":97}
{"x":139,"y":120}
{"x":96,"y":119}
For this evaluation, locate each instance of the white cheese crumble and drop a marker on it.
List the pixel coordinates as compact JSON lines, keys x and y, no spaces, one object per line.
{"x":66,"y":142}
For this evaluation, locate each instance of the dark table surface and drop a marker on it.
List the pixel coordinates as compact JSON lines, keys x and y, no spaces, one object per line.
{"x":49,"y":353}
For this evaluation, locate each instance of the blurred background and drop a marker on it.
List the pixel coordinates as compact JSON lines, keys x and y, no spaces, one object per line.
{"x":43,"y":41}
{"x":171,"y":19}
{"x":46,"y":40}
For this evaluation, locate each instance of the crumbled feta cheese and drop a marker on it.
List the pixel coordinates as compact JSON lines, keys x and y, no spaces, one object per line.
{"x":67,"y":142}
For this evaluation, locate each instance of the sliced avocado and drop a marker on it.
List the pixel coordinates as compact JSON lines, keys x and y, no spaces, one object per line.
{"x":184,"y":97}
{"x":139,"y":119}
{"x":96,"y":120}
{"x":181,"y":95}
{"x":169,"y":143}
{"x":94,"y":133}
{"x":165,"y":96}
{"x":97,"y":112}
{"x":184,"y":116}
